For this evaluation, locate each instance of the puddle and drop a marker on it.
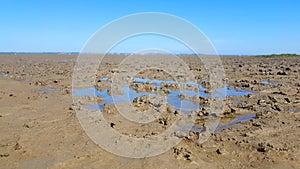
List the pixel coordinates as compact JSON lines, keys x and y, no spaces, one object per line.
{"x":230,"y":91}
{"x":47,"y":90}
{"x":153,"y":81}
{"x":238,"y":119}
{"x":173,"y":98}
{"x":129,"y":95}
{"x":104,"y":79}
{"x":265,"y":82}
{"x":292,"y":111}
{"x":237,"y":92}
{"x":86,"y":92}
{"x":159,"y":83}
{"x":5,"y":74}
{"x":226,"y":125}
{"x":218,"y":93}
{"x":64,"y":61}
{"x":185,"y":106}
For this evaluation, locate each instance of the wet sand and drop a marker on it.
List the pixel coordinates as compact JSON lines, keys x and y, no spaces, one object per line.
{"x":39,"y":128}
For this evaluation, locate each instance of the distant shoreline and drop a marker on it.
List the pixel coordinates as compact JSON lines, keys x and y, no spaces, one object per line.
{"x":126,"y":54}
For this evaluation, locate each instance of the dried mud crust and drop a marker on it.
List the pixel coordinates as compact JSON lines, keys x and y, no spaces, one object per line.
{"x":40,"y":129}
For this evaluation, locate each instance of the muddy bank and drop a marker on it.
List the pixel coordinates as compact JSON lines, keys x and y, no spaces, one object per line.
{"x":39,"y":128}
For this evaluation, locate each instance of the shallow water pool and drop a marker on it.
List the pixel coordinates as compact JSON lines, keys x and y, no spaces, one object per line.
{"x":173,"y":97}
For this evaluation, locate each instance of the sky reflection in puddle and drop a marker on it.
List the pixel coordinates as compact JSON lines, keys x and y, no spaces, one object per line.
{"x":5,"y":74}
{"x":238,"y":119}
{"x":291,"y":111}
{"x":266,"y":82}
{"x":173,"y":98}
{"x":224,"y":125}
{"x":129,"y":95}
{"x":47,"y":90}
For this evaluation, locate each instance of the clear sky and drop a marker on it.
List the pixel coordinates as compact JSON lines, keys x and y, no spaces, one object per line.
{"x":246,"y":27}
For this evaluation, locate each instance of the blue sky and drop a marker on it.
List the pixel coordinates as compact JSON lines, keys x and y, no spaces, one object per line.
{"x":245,"y":27}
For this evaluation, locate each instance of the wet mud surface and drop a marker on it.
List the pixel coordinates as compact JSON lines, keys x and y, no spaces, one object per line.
{"x":259,"y":126}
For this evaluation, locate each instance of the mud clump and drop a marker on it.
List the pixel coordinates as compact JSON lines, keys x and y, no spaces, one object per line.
{"x":182,"y":153}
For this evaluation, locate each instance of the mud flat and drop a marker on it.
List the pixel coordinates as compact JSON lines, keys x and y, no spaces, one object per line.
{"x":260,"y":126}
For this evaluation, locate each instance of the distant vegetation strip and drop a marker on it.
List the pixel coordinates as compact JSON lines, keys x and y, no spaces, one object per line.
{"x":279,"y":55}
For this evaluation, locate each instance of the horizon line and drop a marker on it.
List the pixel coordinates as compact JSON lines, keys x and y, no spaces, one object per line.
{"x":124,"y":53}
